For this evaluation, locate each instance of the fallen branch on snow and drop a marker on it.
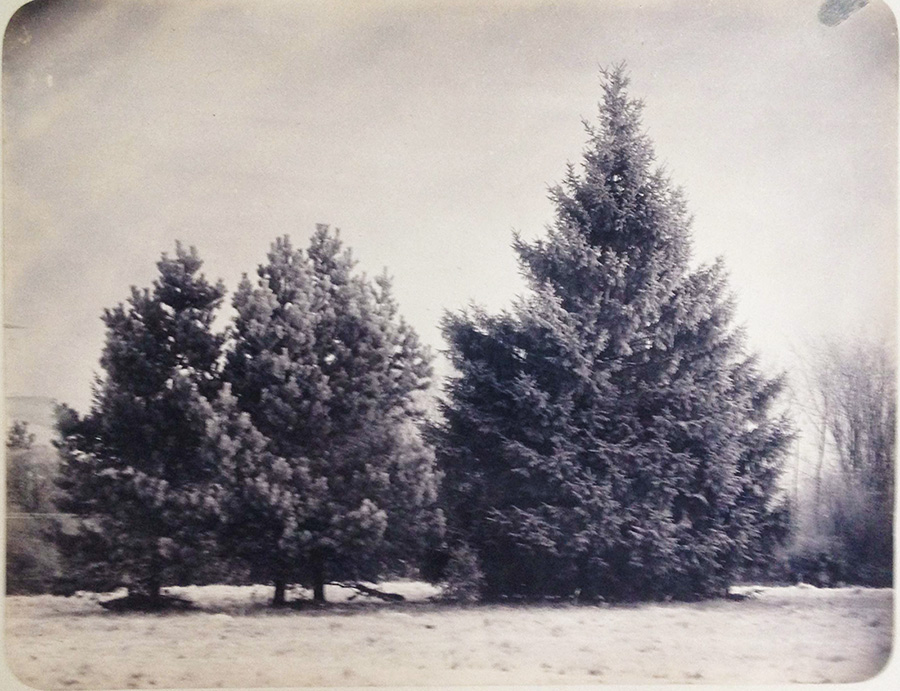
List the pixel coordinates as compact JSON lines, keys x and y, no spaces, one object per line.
{"x":373,"y":592}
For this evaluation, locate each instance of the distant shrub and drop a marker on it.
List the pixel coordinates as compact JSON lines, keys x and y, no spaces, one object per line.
{"x":816,"y":559}
{"x":32,"y":561}
{"x":843,"y":538}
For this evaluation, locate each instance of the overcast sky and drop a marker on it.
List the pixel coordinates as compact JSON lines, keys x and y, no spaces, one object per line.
{"x":428,"y":132}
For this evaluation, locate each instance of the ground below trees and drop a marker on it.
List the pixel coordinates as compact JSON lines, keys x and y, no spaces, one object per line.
{"x":782,"y":635}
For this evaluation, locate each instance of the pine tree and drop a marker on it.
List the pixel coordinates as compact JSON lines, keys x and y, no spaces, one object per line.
{"x":331,"y":379}
{"x":133,"y":467}
{"x":609,"y":436}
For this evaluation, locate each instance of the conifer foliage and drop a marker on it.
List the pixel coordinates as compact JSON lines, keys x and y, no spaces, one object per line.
{"x":609,"y":436}
{"x":134,"y":468}
{"x":329,"y":475}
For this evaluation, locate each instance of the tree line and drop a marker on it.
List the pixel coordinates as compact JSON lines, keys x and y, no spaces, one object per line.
{"x":842,"y":498}
{"x":292,"y":444}
{"x":608,"y":436}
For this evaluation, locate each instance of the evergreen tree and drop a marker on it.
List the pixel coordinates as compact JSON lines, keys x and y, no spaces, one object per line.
{"x":609,"y":436}
{"x":133,"y":467}
{"x":331,"y":379}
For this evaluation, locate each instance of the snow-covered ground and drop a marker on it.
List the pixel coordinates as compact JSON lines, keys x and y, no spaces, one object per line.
{"x":776,"y":634}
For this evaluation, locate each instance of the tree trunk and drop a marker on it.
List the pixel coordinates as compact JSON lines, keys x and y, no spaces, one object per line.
{"x":153,"y":590}
{"x":280,"y":588}
{"x":318,"y":574}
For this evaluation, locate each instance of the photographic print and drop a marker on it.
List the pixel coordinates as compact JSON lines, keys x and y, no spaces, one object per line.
{"x":451,"y":343}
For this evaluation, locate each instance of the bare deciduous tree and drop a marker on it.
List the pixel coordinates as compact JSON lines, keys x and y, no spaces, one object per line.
{"x":851,"y":408}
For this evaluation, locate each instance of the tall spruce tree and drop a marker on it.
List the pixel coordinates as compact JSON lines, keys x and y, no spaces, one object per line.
{"x":609,"y":436}
{"x":330,"y":378}
{"x":133,"y":467}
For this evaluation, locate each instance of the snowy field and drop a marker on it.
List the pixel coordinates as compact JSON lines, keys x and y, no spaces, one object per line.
{"x":781,"y":635}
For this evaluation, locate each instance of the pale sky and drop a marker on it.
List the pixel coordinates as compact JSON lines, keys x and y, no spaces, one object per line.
{"x":428,"y":132}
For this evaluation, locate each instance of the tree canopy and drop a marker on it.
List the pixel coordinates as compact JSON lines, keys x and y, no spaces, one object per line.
{"x":330,"y":379}
{"x":609,"y":436}
{"x":133,"y":467}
